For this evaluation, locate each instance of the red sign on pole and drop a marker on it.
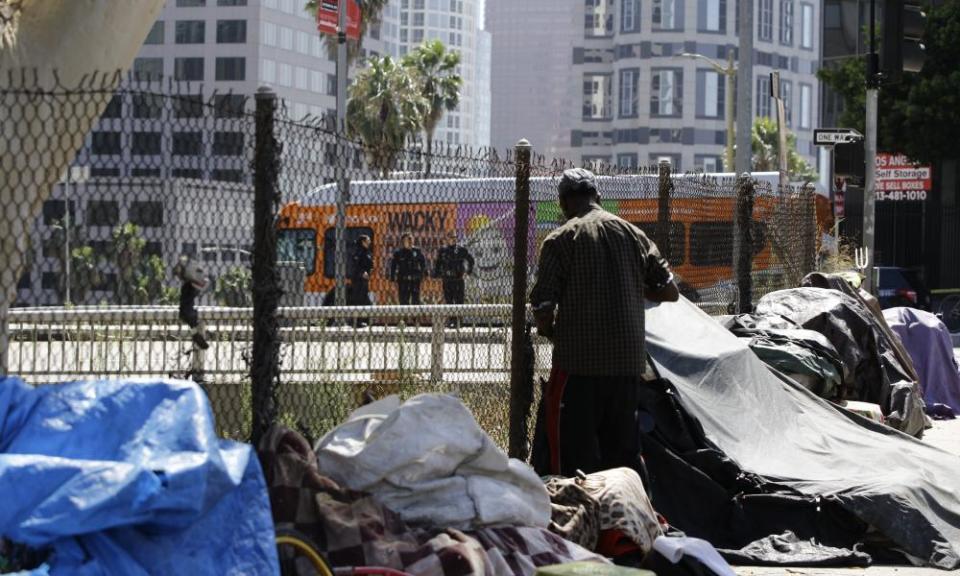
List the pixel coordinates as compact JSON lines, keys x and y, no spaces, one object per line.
{"x":328,"y":15}
{"x":900,"y":179}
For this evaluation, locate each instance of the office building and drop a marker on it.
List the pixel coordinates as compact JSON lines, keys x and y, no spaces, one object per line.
{"x":630,"y":96}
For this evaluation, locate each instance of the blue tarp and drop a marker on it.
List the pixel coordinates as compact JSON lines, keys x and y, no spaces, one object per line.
{"x":129,"y":477}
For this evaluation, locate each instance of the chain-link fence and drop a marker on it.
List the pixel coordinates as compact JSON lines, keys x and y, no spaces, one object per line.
{"x":431,"y":250}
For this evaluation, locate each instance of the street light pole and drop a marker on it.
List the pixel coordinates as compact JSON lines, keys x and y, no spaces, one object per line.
{"x":730,"y":73}
{"x":340,"y":254}
{"x":870,"y":152}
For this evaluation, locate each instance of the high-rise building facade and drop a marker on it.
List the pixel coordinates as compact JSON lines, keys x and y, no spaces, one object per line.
{"x":633,"y":95}
{"x":457,"y":23}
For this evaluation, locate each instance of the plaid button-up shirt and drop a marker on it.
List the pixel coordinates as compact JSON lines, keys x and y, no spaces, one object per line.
{"x":595,"y":268}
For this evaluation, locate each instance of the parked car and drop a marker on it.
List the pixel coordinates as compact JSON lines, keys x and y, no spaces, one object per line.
{"x":901,"y":287}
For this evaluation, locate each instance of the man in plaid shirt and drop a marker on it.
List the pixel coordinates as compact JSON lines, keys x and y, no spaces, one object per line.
{"x":594,"y":274}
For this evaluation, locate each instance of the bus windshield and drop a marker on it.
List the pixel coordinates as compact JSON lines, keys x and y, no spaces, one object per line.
{"x":298,"y":245}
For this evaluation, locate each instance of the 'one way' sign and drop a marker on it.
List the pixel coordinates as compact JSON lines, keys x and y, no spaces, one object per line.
{"x":834,"y":136}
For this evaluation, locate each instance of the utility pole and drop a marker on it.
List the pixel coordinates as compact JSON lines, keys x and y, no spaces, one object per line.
{"x":729,"y":72}
{"x":870,"y":151}
{"x":745,"y":89}
{"x":343,"y":183}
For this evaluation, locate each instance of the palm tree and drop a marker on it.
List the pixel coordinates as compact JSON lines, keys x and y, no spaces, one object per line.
{"x":370,"y":13}
{"x":766,"y":147}
{"x":384,"y":110}
{"x":436,"y":71}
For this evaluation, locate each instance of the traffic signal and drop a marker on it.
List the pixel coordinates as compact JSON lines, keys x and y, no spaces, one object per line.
{"x":904,"y":22}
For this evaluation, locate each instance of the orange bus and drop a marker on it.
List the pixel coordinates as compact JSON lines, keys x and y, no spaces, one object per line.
{"x":482,"y":212}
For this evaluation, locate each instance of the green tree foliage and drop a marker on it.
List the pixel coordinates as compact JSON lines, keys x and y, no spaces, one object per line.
{"x":765,"y":141}
{"x":84,"y":262}
{"x":235,"y":288}
{"x":919,"y":115}
{"x":385,"y":109}
{"x":435,"y":70}
{"x":370,"y":16}
{"x":140,"y":280}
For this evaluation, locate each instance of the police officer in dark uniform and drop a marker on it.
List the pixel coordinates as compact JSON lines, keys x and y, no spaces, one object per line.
{"x":407,"y":269}
{"x":453,"y":262}
{"x":360,"y":275}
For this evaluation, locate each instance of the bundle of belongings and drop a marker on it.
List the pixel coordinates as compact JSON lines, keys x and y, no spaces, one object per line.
{"x":768,"y":472}
{"x":127,"y":477}
{"x":834,"y":340}
{"x":417,"y":487}
{"x":929,"y":344}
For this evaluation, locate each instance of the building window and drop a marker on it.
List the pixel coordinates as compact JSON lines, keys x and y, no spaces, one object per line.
{"x":673,"y":159}
{"x":156,"y":33}
{"x":225,"y":175}
{"x":711,"y":94}
{"x":712,"y":16}
{"x":146,"y":143}
{"x":598,"y":18}
{"x":666,"y":92}
{"x":55,"y":211}
{"x":189,"y":69}
{"x":147,"y":214}
{"x":284,"y":74}
{"x":331,"y":84}
{"x":231,"y":2}
{"x":806,"y":26}
{"x":269,"y":34}
{"x":105,"y":143}
{"x":190,"y":106}
{"x":268,"y":71}
{"x":763,"y":96}
{"x":190,"y":32}
{"x":194,"y":173}
{"x":708,"y":164}
{"x":597,"y":96}
{"x":191,"y":3}
{"x":806,"y":99}
{"x":786,"y":22}
{"x":103,"y":213}
{"x":147,"y":105}
{"x":665,"y":15}
{"x":145,"y":172}
{"x":630,"y":16}
{"x":627,"y":160}
{"x":231,"y":31}
{"x":786,"y":94}
{"x":234,"y":69}
{"x":228,"y":105}
{"x":104,"y":172}
{"x":629,"y":81}
{"x":765,"y":22}
{"x":148,"y":69}
{"x":187,"y":143}
{"x":114,"y":108}
{"x":228,"y":143}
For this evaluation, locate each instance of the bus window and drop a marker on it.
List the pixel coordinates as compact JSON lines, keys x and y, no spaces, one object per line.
{"x":330,"y":248}
{"x":678,"y":239}
{"x":298,"y":245}
{"x":711,"y":243}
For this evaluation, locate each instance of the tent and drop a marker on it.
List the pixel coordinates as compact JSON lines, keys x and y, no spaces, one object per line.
{"x":771,"y":426}
{"x":929,"y":344}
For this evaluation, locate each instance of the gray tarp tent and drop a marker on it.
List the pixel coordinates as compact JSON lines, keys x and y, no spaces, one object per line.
{"x":774,"y":427}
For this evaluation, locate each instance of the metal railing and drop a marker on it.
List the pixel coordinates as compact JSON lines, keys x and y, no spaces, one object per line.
{"x":360,"y":344}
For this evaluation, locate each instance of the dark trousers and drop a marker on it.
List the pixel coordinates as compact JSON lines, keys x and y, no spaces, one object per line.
{"x":359,"y":293}
{"x":591,"y":422}
{"x":409,"y":291}
{"x":453,"y":291}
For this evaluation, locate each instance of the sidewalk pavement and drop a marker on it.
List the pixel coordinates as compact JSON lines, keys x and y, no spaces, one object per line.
{"x":945,"y":435}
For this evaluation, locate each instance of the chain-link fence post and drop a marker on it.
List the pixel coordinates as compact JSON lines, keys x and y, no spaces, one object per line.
{"x":521,"y":381}
{"x":743,"y":243}
{"x":663,"y":211}
{"x":265,"y":360}
{"x":4,"y":336}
